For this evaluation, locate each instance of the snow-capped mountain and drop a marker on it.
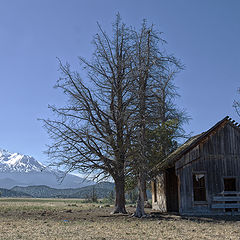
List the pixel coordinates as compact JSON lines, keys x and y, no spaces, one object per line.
{"x":23,"y":170}
{"x":15,"y":162}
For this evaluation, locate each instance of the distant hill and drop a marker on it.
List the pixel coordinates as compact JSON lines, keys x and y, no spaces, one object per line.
{"x":101,"y":189}
{"x":43,"y":191}
{"x":12,"y":193}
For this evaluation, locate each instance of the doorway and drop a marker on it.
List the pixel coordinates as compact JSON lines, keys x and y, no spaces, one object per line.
{"x":172,"y":190}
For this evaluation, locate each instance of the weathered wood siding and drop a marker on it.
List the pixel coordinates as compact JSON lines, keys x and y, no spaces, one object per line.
{"x":165,"y":191}
{"x":217,"y":156}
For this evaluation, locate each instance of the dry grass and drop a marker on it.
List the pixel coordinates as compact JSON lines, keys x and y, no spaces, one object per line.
{"x":71,"y":219}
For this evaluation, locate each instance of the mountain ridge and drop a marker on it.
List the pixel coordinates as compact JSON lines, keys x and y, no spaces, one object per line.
{"x":20,"y":163}
{"x":24,"y":170}
{"x":101,"y":190}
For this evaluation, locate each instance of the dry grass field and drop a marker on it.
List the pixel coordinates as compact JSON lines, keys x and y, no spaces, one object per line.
{"x":71,"y":219}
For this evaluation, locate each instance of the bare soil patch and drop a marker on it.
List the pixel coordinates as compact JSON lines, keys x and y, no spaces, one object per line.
{"x":71,"y":219}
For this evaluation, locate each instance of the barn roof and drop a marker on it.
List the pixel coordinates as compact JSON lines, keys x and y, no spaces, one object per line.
{"x":170,"y":160}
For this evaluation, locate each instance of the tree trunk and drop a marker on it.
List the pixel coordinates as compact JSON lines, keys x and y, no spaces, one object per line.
{"x":145,"y":191}
{"x":140,"y":202}
{"x":120,"y":196}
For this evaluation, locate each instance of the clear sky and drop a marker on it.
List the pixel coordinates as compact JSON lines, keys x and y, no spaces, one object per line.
{"x":204,"y":34}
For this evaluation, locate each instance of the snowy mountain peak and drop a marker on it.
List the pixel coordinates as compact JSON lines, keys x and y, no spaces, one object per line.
{"x":23,"y":170}
{"x":15,"y":162}
{"x":4,"y":152}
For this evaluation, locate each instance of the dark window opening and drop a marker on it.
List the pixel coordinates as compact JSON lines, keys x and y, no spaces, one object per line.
{"x":155,"y":190}
{"x":229,"y":184}
{"x":199,"y":189}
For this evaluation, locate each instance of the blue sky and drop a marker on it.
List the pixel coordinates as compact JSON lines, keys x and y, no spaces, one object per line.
{"x":204,"y":34}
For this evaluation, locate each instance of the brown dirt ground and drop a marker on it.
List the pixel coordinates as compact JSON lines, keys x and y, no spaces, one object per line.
{"x":71,"y":219}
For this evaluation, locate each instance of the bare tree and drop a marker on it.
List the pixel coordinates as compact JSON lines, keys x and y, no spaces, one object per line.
{"x":152,"y":70}
{"x":103,"y":128}
{"x":92,"y":133}
{"x":236,"y":105}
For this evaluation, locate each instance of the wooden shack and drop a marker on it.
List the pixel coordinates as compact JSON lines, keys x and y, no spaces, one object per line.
{"x":203,"y":175}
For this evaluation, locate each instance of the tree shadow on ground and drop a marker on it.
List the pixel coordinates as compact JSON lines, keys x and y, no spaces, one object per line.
{"x":197,"y":219}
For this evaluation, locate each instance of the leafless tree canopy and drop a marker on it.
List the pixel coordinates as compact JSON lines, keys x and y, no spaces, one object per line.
{"x":236,"y":105}
{"x":129,"y":89}
{"x":153,"y":71}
